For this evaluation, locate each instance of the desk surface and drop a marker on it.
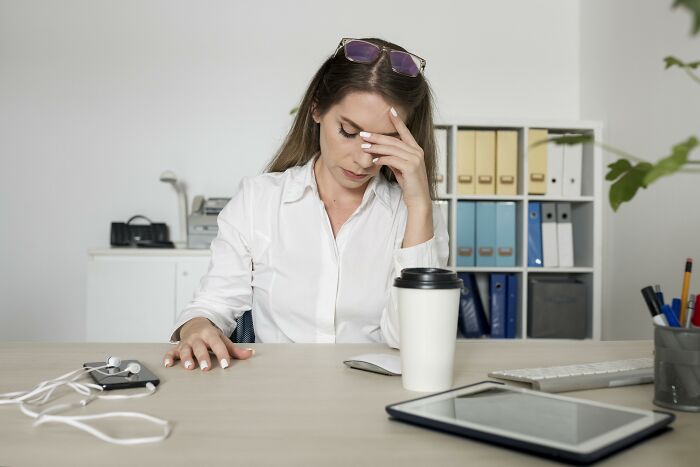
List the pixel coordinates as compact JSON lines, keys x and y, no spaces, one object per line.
{"x":297,"y":404}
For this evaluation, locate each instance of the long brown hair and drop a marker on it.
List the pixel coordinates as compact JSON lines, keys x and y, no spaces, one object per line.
{"x":338,"y":77}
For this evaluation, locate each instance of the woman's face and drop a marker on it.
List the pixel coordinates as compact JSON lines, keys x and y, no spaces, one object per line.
{"x":341,"y":155}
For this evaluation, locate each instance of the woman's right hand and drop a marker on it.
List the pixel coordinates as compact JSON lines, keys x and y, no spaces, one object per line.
{"x":197,"y":337}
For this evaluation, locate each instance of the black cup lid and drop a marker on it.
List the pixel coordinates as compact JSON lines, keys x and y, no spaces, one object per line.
{"x":428,"y":278}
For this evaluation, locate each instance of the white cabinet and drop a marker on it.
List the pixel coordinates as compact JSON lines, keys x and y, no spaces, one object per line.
{"x":135,"y":295}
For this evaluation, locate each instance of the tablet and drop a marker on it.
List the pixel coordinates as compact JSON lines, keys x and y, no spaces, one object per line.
{"x":565,"y":428}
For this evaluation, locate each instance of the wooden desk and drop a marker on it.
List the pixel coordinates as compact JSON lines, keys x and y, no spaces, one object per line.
{"x":297,"y":404}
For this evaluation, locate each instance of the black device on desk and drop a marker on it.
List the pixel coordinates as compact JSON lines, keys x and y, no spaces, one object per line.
{"x":117,"y":378}
{"x":564,"y":428}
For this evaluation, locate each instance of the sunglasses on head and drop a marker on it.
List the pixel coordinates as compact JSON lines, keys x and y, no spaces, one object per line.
{"x":359,"y":51}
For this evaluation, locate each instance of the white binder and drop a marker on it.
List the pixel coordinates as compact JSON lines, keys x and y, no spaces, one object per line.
{"x":555,"y":169}
{"x":444,"y":208}
{"x":441,"y":155}
{"x":571,"y":182}
{"x":565,"y":235}
{"x":550,"y":249}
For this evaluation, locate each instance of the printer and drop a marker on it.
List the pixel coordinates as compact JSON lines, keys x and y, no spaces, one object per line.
{"x":201,"y":223}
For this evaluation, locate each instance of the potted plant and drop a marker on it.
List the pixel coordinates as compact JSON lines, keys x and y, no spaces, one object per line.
{"x":627,"y":178}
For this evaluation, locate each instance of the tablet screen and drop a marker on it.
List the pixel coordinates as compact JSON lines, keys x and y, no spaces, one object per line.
{"x":562,"y":421}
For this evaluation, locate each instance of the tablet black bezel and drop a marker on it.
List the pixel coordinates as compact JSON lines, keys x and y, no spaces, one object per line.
{"x":521,"y":445}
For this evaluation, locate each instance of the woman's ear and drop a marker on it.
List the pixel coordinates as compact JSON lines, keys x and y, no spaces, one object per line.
{"x":314,"y":113}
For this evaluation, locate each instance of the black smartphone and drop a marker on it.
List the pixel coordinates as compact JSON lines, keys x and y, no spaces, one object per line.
{"x":109,"y":379}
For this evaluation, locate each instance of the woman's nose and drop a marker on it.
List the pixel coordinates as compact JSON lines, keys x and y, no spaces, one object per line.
{"x":364,"y":160}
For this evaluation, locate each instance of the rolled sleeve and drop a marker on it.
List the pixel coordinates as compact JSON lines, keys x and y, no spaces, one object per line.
{"x":433,"y":253}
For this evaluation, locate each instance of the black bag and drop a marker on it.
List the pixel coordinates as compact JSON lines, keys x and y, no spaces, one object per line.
{"x":151,"y":235}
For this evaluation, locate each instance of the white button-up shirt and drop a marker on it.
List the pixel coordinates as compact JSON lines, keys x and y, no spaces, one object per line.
{"x":275,"y":253}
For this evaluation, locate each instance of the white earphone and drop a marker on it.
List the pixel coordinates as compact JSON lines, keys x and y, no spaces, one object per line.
{"x":132,"y":368}
{"x":113,"y":362}
{"x":41,"y":393}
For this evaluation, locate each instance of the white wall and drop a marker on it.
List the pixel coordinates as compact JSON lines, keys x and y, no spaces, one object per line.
{"x":98,"y":98}
{"x":645,"y":110}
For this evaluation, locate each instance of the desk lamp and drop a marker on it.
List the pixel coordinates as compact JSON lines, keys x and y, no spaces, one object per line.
{"x":169,"y":177}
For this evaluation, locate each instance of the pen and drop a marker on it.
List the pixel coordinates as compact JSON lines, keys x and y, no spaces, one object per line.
{"x":676,"y":308}
{"x":696,"y":316}
{"x":686,"y":286}
{"x":659,"y":295}
{"x":670,"y":316}
{"x":653,"y":305}
{"x":691,"y":311}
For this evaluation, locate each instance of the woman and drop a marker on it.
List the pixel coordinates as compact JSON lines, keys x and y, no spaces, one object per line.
{"x":312,"y":246}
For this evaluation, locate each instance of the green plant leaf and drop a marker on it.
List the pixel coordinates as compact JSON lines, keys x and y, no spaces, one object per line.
{"x":294,"y":110}
{"x":626,"y":187}
{"x":568,"y":140}
{"x":618,"y":168}
{"x":672,"y":61}
{"x":694,"y":7}
{"x":672,"y":163}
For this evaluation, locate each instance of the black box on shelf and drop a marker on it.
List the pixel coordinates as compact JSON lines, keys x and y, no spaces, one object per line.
{"x":557,"y":308}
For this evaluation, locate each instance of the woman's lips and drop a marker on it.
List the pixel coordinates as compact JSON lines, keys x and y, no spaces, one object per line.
{"x":353,"y":175}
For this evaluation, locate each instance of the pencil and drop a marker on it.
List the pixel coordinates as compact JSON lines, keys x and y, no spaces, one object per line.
{"x":686,"y":287}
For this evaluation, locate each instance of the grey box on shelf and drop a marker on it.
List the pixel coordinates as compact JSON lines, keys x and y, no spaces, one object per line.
{"x":557,"y":308}
{"x":677,"y":368}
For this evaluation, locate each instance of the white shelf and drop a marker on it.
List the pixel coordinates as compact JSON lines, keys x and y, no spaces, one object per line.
{"x":586,"y":211}
{"x":545,"y":198}
{"x":487,"y":197}
{"x":560,"y":270}
{"x":141,"y":252}
{"x":487,"y":269}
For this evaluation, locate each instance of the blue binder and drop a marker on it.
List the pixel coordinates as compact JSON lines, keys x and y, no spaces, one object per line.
{"x":505,"y":234}
{"x":466,"y":232}
{"x":511,"y":306}
{"x":534,"y":235}
{"x":486,"y":233}
{"x":498,"y":305}
{"x":472,"y":320}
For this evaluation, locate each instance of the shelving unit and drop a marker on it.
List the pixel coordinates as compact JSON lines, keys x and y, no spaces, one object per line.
{"x":586,"y":213}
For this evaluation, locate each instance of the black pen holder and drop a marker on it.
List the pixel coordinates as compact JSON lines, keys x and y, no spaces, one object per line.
{"x":677,"y":368}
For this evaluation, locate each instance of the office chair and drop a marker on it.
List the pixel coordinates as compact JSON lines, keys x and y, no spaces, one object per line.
{"x":244,"y":332}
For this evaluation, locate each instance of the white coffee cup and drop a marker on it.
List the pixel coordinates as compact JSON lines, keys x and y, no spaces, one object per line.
{"x":428,"y":305}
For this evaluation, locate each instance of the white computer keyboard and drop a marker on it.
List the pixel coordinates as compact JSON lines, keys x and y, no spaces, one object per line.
{"x":583,"y":376}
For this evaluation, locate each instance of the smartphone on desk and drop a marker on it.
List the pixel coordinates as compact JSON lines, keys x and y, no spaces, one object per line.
{"x":111,"y":378}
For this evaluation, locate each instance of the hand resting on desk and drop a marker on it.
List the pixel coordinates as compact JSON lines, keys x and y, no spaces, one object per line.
{"x":197,"y":337}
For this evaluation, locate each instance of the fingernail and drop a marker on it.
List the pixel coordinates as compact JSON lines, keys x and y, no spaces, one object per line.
{"x":364,"y":134}
{"x":203,"y":365}
{"x":188,"y":364}
{"x":366,"y":146}
{"x":166,"y":362}
{"x":252,"y":351}
{"x":224,"y":363}
{"x":393,"y":112}
{"x":374,"y":161}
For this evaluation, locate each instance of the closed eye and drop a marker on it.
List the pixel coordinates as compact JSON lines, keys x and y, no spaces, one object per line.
{"x":345,"y":133}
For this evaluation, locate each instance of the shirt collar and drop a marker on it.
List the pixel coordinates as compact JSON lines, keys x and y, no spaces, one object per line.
{"x":303,"y":178}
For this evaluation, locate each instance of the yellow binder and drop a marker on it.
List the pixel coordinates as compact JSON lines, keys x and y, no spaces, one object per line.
{"x":465,"y":162}
{"x":537,"y":163}
{"x":485,"y":162}
{"x":506,"y":162}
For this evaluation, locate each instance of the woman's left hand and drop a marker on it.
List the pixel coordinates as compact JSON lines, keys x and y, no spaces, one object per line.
{"x":405,"y":158}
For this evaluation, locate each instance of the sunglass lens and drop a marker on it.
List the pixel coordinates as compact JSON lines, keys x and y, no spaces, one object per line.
{"x":404,"y":63}
{"x":361,"y":51}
